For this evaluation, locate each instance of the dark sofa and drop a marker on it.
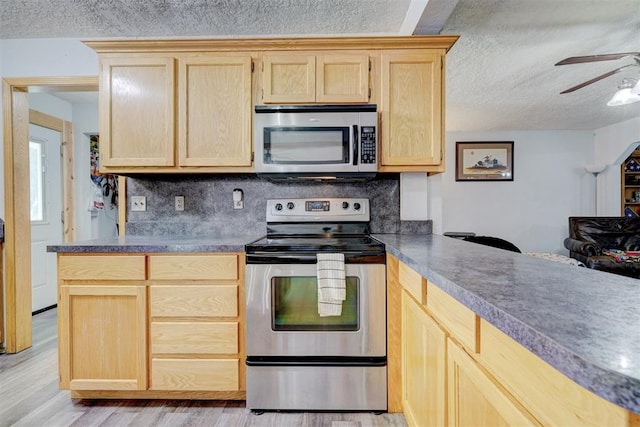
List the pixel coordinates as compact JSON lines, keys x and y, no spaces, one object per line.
{"x":591,"y":238}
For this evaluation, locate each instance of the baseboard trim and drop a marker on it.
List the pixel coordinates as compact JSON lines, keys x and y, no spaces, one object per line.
{"x":44,"y":309}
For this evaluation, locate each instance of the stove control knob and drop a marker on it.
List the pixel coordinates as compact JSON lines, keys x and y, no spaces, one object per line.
{"x":278,"y":206}
{"x":290,"y":205}
{"x":345,"y":205}
{"x":356,"y":206}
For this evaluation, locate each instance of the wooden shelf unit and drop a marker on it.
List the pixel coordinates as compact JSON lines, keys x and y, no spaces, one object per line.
{"x":630,"y":185}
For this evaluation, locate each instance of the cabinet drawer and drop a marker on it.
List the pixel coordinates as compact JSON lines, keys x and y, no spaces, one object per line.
{"x":194,"y":337}
{"x":461,"y":322}
{"x":101,"y":267}
{"x":195,"y":374}
{"x":549,"y":395}
{"x":194,"y":301}
{"x":193,"y":267}
{"x":412,"y":282}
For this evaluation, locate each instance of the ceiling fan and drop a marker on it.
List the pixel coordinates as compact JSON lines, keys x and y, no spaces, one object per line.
{"x":597,"y":58}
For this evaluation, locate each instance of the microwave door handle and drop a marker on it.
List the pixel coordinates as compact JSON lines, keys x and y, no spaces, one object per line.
{"x":356,"y":143}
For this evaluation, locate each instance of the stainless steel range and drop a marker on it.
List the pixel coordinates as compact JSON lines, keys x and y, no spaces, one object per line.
{"x":299,"y":356}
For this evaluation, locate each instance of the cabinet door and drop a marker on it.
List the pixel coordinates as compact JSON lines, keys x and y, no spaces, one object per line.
{"x":102,"y":337}
{"x":215,"y":111}
{"x":137,"y":111}
{"x":411,"y":104}
{"x":289,"y":78}
{"x":475,"y":399}
{"x":423,"y":366}
{"x":342,"y":78}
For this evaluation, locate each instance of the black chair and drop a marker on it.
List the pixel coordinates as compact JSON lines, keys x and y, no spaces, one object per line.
{"x":495,"y":242}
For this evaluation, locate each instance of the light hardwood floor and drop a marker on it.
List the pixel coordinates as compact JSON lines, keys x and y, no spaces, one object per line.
{"x":29,"y":396}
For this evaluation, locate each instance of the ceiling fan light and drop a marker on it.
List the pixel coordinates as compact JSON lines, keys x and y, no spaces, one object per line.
{"x":623,"y":96}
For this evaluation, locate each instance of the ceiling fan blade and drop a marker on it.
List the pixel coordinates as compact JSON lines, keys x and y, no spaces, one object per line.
{"x":595,"y":79}
{"x":596,"y":58}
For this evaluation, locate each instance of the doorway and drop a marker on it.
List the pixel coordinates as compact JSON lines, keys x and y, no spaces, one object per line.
{"x":46,"y":207}
{"x":16,"y":331}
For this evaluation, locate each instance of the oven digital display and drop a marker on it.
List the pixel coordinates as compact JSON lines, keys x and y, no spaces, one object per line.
{"x":317,"y":206}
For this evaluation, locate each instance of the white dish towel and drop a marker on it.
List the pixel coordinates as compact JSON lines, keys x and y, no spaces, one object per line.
{"x":331,"y":284}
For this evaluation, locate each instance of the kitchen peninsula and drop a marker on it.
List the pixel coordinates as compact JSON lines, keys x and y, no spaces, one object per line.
{"x":529,"y":317}
{"x":515,"y":326}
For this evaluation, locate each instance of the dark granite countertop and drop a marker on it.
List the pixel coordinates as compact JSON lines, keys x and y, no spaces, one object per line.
{"x":157,"y":244}
{"x":583,"y":322}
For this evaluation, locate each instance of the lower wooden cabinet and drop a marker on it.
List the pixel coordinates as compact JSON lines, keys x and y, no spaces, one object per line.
{"x":195,"y":337}
{"x":459,"y":370}
{"x":195,"y":374}
{"x":475,"y":399}
{"x":423,"y":366}
{"x":103,"y":337}
{"x":162,"y":326}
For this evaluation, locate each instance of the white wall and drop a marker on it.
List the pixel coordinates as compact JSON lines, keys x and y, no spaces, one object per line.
{"x":550,"y":184}
{"x":613,"y":144}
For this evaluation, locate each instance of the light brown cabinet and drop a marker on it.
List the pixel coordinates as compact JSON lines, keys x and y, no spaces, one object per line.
{"x":149,"y":121}
{"x":475,"y":399}
{"x":195,"y":323}
{"x":137,"y":111}
{"x":423,"y":366}
{"x":306,"y":77}
{"x":411,"y":110}
{"x":489,"y":378}
{"x":102,"y":332}
{"x":214,"y":111}
{"x":157,"y":324}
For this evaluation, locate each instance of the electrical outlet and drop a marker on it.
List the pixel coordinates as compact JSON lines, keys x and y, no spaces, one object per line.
{"x":138,"y":203}
{"x":179,"y":203}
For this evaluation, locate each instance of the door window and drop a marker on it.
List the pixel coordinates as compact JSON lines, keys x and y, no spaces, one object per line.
{"x":36,"y":181}
{"x":295,"y":306}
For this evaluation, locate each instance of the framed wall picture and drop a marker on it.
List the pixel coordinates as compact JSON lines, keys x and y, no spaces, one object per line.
{"x":484,"y":161}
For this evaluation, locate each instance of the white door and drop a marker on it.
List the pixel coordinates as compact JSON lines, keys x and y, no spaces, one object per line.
{"x":46,"y":212}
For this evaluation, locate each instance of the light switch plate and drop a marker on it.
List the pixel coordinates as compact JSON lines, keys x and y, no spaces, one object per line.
{"x":138,"y":203}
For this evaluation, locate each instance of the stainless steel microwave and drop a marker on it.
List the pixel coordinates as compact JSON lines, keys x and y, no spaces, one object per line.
{"x":316,"y":139}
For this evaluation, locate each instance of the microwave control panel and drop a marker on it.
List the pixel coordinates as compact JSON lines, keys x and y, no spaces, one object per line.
{"x":367,"y":144}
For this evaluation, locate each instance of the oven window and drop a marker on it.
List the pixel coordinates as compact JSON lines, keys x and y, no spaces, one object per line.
{"x":306,"y":145}
{"x":295,"y":306}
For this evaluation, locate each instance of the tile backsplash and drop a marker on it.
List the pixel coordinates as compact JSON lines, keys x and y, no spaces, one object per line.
{"x":208,"y":203}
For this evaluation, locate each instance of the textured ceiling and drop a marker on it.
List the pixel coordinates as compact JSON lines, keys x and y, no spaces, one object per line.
{"x":500,"y":73}
{"x":198,"y":18}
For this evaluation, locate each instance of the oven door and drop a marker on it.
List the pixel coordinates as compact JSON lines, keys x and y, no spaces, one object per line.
{"x":282,"y":312}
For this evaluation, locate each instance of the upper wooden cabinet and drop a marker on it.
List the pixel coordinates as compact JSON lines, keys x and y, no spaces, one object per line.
{"x":142,"y":105}
{"x":187,"y":105}
{"x":309,"y":78}
{"x":411,"y":105}
{"x":214,"y":110}
{"x":137,"y":111}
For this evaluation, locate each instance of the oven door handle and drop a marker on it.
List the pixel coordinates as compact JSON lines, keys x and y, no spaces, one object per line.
{"x":268,"y":258}
{"x":302,"y":258}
